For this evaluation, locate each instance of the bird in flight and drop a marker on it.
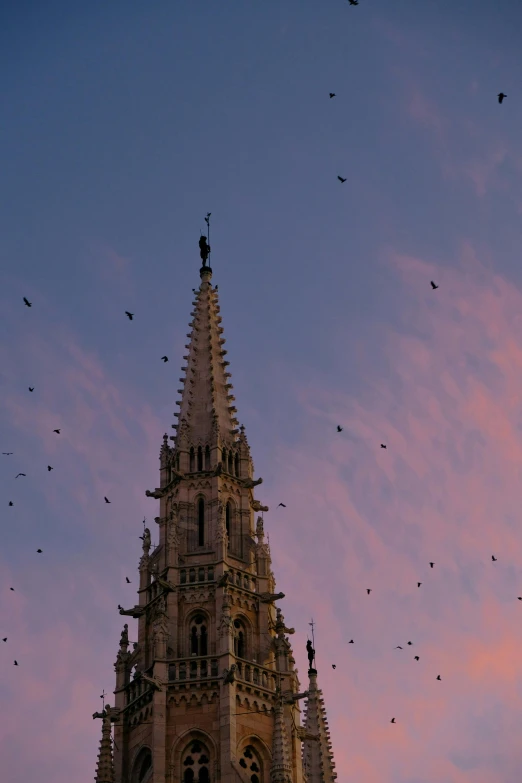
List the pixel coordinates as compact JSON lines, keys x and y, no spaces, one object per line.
{"x":332,"y":95}
{"x":130,"y":316}
{"x":383,"y":446}
{"x":106,"y":499}
{"x":7,"y":453}
{"x":164,"y":358}
{"x":433,"y":285}
{"x":351,"y":641}
{"x":4,"y":640}
{"x":128,"y":580}
{"x":339,"y":429}
{"x":333,"y":666}
{"x":419,"y":584}
{"x":57,"y":431}
{"x":49,"y":467}
{"x":16,"y":663}
{"x":438,"y":676}
{"x":494,"y":558}
{"x":10,"y":502}
{"x":501,"y":96}
{"x":27,"y":302}
{"x":19,"y":474}
{"x":398,"y":647}
{"x":39,"y":551}
{"x":416,"y":657}
{"x":392,"y":720}
{"x":282,"y":504}
{"x":368,"y":590}
{"x":410,"y":642}
{"x":341,"y":179}
{"x":431,"y":565}
{"x":31,"y":389}
{"x":353,"y":2}
{"x":12,"y":588}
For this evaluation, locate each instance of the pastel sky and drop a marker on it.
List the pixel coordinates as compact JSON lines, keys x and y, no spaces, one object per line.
{"x":122,"y":125}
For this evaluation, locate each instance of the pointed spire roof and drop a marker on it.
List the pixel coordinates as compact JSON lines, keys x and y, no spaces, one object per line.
{"x":318,"y":760}
{"x":281,"y":769}
{"x":105,"y":765}
{"x":206,"y":408}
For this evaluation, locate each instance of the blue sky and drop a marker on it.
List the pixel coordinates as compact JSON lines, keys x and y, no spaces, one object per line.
{"x":122,"y":125}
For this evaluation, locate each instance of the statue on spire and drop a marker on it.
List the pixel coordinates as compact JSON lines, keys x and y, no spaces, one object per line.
{"x":311,"y":654}
{"x":204,"y":247}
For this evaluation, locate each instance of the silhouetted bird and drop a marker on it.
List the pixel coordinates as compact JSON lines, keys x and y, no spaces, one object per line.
{"x":7,"y":453}
{"x":520,"y":597}
{"x":4,"y":640}
{"x":419,"y":584}
{"x":398,"y":647}
{"x":57,"y":431}
{"x":332,"y":95}
{"x":368,"y":590}
{"x":351,"y":641}
{"x":410,"y":642}
{"x":31,"y":389}
{"x":494,"y":558}
{"x":10,"y":502}
{"x":27,"y":302}
{"x":416,"y":657}
{"x":339,"y":429}
{"x":431,"y":565}
{"x":49,"y":467}
{"x":341,"y":179}
{"x":433,"y":285}
{"x":282,"y":504}
{"x":20,"y":474}
{"x":12,"y":588}
{"x":392,"y":720}
{"x":164,"y":359}
{"x":130,"y":316}
{"x":438,"y":677}
{"x":333,"y":666}
{"x":106,"y":499}
{"x":501,"y":96}
{"x":16,"y":663}
{"x":128,"y":580}
{"x":353,"y":2}
{"x":383,"y":446}
{"x":39,"y":551}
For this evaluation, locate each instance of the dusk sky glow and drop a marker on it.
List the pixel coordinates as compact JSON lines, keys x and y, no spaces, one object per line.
{"x":122,"y":125}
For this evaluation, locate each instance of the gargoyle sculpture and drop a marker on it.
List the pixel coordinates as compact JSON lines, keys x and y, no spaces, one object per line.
{"x":256,"y":505}
{"x":249,"y":483}
{"x":154,"y":681}
{"x":269,"y":598}
{"x":228,"y":675}
{"x":135,"y":612}
{"x":302,"y":734}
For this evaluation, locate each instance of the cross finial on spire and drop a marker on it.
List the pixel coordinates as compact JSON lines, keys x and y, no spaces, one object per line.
{"x":102,"y":697}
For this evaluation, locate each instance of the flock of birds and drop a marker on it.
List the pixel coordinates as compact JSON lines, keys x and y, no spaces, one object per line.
{"x":130,"y":316}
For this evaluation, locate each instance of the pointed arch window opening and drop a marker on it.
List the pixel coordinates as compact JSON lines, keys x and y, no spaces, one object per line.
{"x":198,"y":636}
{"x":228,"y":515}
{"x":191,"y":460}
{"x":239,"y":640}
{"x":201,"y":522}
{"x":200,"y":459}
{"x":236,"y":465}
{"x":195,"y":763}
{"x":207,"y":458}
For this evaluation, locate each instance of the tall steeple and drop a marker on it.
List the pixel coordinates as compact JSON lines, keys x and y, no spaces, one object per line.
{"x":105,"y":767}
{"x":210,"y":691}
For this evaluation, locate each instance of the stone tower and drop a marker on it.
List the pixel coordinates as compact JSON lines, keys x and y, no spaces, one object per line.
{"x":210,"y":693}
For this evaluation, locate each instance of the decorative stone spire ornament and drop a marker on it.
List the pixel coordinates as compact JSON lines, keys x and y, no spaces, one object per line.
{"x":105,"y":765}
{"x":281,"y":769}
{"x":318,"y":762}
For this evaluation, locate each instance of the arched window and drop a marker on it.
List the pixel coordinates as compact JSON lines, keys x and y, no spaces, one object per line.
{"x":192,"y":574}
{"x":191,"y":460}
{"x":200,"y":459}
{"x":228,"y":517}
{"x":198,"y":636}
{"x":183,"y":577}
{"x":236,"y":465}
{"x":224,"y":459}
{"x":207,"y":458}
{"x":230,"y":461}
{"x":239,"y":639}
{"x":201,"y":522}
{"x":251,"y":763}
{"x":142,"y":772}
{"x":195,"y":762}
